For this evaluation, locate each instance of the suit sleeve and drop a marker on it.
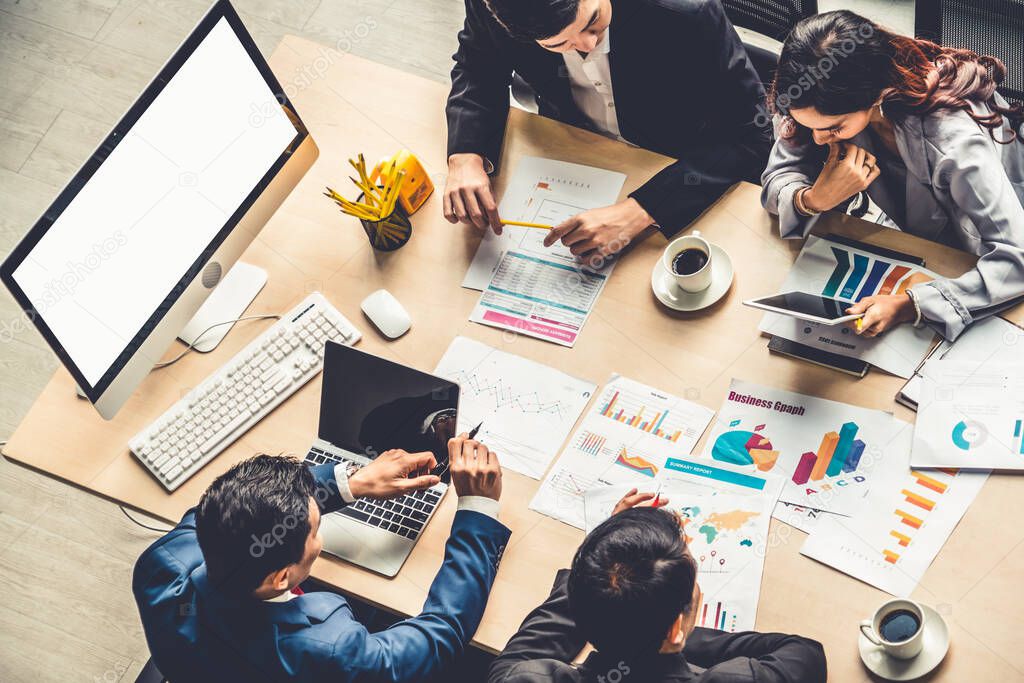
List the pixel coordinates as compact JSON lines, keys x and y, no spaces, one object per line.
{"x":165,"y":564}
{"x":327,"y":492}
{"x":732,"y":148}
{"x":421,"y":647}
{"x":548,"y":632}
{"x":972,"y":173}
{"x":759,"y":657}
{"x":791,"y":165}
{"x":479,"y":99}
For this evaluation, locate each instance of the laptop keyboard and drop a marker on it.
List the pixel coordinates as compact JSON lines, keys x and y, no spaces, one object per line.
{"x":404,"y":516}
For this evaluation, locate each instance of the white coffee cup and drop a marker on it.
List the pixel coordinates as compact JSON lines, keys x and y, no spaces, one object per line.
{"x":903,"y":649}
{"x":694,"y":282}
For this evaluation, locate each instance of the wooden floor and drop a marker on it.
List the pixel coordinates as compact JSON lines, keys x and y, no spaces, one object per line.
{"x":68,"y":69}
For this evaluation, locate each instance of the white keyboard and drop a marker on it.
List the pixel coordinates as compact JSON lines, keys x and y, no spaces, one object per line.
{"x":262,"y":375}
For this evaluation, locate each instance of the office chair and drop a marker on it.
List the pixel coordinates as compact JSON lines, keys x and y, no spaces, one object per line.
{"x":992,"y":27}
{"x":771,"y":18}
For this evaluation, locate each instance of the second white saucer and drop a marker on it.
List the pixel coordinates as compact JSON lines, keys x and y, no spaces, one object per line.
{"x":936,"y":644}
{"x":671,"y":295}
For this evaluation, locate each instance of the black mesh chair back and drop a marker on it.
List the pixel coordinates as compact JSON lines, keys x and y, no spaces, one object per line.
{"x":773,"y":18}
{"x":989,"y":27}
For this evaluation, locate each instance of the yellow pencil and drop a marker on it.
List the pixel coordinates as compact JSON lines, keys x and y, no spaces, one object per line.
{"x":522,"y":224}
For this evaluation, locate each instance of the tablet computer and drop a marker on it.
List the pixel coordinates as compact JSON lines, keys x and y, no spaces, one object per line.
{"x":810,"y":307}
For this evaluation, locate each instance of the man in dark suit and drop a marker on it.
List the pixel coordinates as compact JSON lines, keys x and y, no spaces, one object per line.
{"x":219,"y":596}
{"x":666,"y":75}
{"x":632,"y":594}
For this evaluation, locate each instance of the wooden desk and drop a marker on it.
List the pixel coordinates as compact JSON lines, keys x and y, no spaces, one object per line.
{"x":309,"y":245}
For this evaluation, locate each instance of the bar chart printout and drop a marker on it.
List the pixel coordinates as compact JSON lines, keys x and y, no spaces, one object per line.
{"x":826,"y":450}
{"x":904,"y":524}
{"x":606,"y":451}
{"x":653,"y":412}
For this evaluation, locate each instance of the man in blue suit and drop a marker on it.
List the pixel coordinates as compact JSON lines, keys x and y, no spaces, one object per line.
{"x":219,"y":597}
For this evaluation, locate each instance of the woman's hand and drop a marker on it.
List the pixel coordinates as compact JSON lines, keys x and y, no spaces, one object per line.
{"x":881,"y":313}
{"x":632,"y":499}
{"x":848,"y":170}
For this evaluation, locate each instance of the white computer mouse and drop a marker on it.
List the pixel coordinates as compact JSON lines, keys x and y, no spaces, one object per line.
{"x":384,"y":311}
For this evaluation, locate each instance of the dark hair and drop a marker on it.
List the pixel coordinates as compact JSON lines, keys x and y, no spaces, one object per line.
{"x":253,"y":520}
{"x":534,"y":19}
{"x":839,"y":62}
{"x":630,"y":579}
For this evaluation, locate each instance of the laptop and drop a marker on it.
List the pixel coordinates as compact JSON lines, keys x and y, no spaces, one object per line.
{"x":369,"y":405}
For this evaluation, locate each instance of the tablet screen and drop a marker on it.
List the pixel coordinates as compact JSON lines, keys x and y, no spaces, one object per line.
{"x":807,"y":304}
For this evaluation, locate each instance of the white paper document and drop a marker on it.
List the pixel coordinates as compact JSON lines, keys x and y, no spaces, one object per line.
{"x":727,"y":536}
{"x":548,"y":192}
{"x":633,"y":434}
{"x":991,"y":340}
{"x":827,"y":451}
{"x":539,"y":297}
{"x":903,"y":524}
{"x":841,"y":272}
{"x":970,"y":415}
{"x":526,"y":409}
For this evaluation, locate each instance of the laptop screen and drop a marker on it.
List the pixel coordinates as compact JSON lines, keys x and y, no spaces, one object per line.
{"x":370,"y":405}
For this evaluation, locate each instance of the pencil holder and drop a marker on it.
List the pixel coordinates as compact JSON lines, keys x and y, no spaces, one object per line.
{"x":388,"y":233}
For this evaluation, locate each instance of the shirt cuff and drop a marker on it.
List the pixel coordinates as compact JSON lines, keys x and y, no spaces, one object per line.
{"x":481,"y":504}
{"x":341,"y":478}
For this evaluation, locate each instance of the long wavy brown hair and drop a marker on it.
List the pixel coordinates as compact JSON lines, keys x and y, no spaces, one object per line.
{"x":839,"y":62}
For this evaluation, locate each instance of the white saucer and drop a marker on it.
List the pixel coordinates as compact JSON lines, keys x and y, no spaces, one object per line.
{"x":671,"y":295}
{"x":936,"y":644}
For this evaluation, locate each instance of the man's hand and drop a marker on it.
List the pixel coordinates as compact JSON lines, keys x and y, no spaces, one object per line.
{"x":468,"y":197}
{"x":393,"y":473}
{"x":475,"y":469}
{"x":633,"y":499}
{"x":881,"y":313}
{"x":848,"y":170}
{"x":600,"y":233}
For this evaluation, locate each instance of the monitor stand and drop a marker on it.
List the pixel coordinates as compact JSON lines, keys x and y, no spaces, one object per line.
{"x":228,"y":302}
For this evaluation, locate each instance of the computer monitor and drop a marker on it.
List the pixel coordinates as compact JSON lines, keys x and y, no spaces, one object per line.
{"x":136,"y":241}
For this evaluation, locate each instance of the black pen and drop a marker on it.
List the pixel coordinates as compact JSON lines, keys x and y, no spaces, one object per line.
{"x":476,"y":429}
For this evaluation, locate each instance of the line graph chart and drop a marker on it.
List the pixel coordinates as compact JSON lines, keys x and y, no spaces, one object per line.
{"x":526,"y":409}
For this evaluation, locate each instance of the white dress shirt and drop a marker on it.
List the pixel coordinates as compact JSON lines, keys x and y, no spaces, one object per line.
{"x":590,"y":78}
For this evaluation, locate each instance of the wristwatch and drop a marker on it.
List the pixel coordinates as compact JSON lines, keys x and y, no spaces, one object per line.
{"x":351,"y":468}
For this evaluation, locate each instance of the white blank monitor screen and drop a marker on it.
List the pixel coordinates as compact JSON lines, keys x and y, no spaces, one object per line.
{"x":156,"y":203}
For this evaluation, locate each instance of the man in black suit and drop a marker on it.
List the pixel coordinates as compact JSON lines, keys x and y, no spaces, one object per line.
{"x":632,"y":594}
{"x":666,"y":75}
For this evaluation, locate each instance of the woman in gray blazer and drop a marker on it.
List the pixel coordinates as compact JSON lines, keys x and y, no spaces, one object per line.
{"x":921,"y":129}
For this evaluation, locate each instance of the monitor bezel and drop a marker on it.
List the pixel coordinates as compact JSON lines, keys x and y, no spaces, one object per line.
{"x":222,"y":9}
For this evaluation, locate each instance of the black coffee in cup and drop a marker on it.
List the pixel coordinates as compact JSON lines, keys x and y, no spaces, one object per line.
{"x":899,"y":625}
{"x":689,"y":261}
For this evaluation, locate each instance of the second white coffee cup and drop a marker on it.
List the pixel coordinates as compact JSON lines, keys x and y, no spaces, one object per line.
{"x":897,"y":627}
